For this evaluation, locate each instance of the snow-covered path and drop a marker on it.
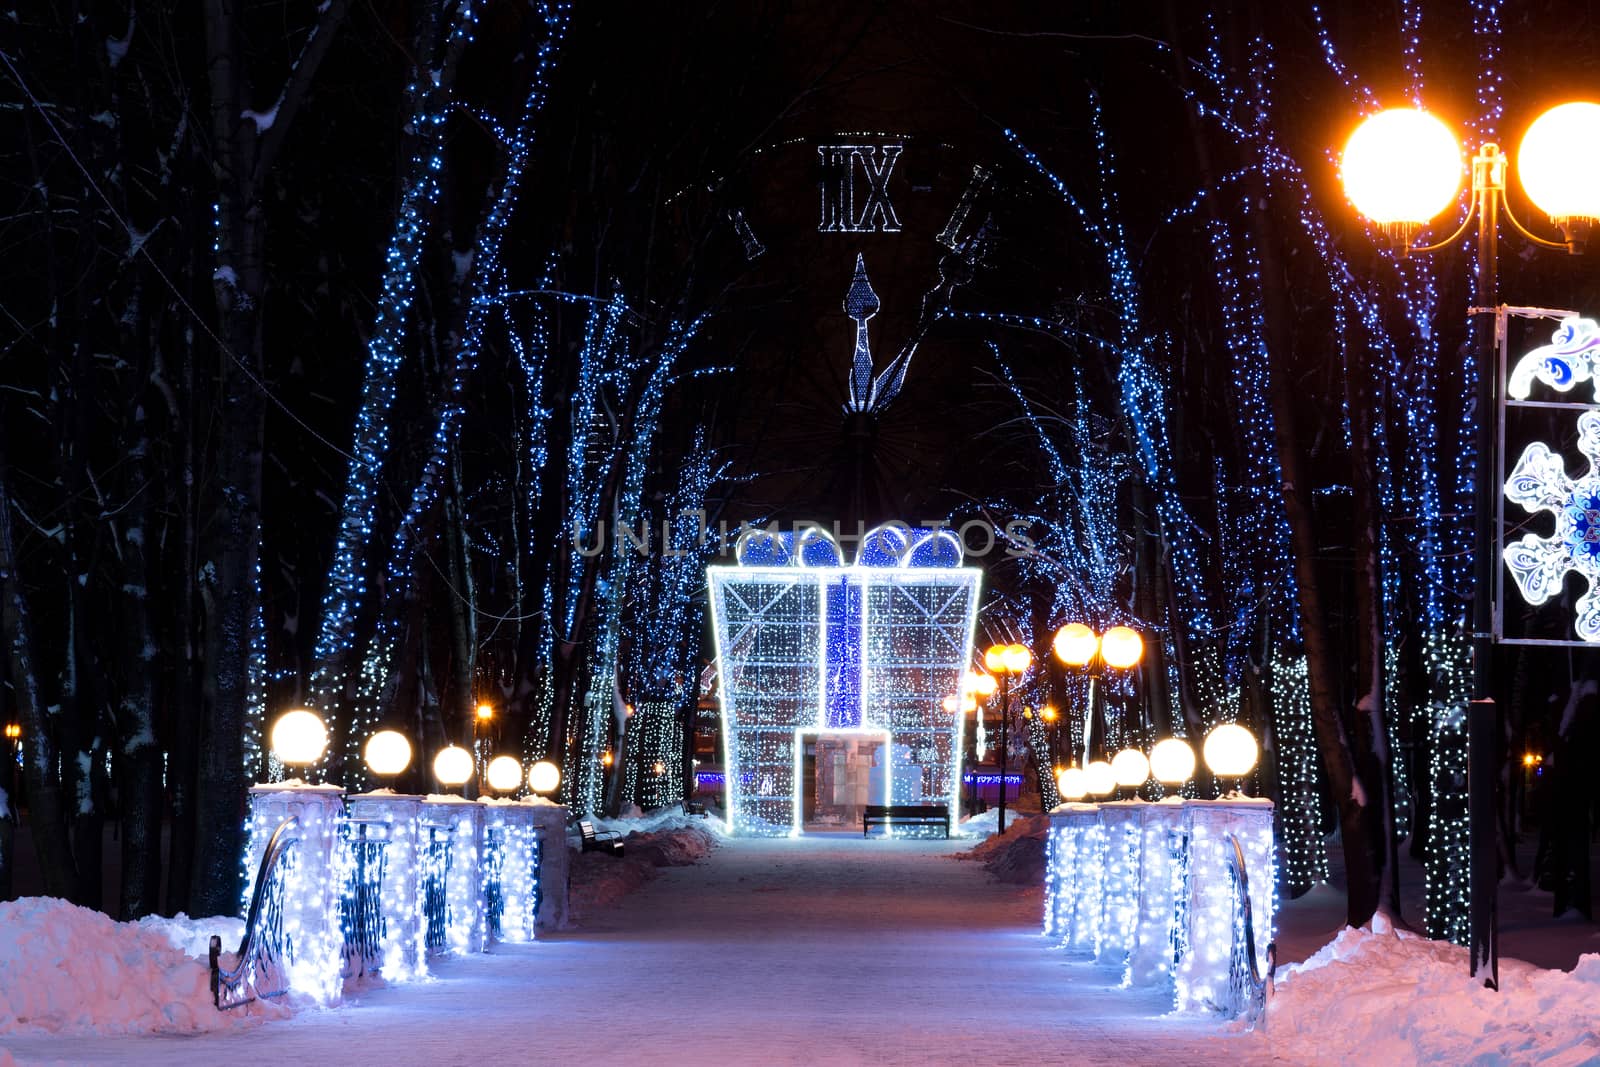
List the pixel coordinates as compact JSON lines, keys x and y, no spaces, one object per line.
{"x":816,"y":951}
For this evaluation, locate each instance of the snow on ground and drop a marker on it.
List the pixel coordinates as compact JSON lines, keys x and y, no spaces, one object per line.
{"x":665,"y":838}
{"x":69,"y":970}
{"x":1381,"y":995}
{"x":1016,"y":856}
{"x":827,"y":950}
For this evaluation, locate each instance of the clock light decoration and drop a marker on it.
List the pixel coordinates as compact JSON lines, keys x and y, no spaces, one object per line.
{"x":860,"y":657}
{"x":299,"y":738}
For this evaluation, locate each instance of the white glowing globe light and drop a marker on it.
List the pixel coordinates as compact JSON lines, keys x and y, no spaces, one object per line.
{"x":1559,"y":161}
{"x":1075,"y":644}
{"x":1401,"y":166}
{"x":1130,"y":768}
{"x":1121,"y":647}
{"x":1073,"y":783}
{"x":995,"y":657}
{"x":452,"y":766}
{"x":504,"y":774}
{"x":387,"y":753}
{"x":299,"y":738}
{"x":1017,"y":658}
{"x":544,"y":777}
{"x":1230,"y":751}
{"x":1172,"y":761}
{"x":976,"y":682}
{"x":1099,"y":778}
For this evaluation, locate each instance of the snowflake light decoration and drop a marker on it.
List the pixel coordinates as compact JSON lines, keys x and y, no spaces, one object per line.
{"x":1572,"y":356}
{"x":1540,"y":482}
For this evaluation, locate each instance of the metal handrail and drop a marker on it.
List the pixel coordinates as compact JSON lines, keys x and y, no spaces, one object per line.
{"x":262,"y":948}
{"x":1252,"y":1001}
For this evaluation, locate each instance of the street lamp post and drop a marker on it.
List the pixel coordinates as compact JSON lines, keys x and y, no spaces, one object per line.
{"x":1076,"y":645}
{"x":1401,"y":168}
{"x":1006,"y":660}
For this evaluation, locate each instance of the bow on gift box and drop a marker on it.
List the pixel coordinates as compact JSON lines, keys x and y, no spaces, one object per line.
{"x":843,"y":609}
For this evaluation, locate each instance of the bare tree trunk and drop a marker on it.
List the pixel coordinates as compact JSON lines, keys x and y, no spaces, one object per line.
{"x":47,"y":816}
{"x":1369,"y":720}
{"x":1351,"y":796}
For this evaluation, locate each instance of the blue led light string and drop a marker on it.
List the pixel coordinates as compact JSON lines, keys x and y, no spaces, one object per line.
{"x":637,"y":449}
{"x":485,"y":281}
{"x":346,"y":587}
{"x":662,"y":627}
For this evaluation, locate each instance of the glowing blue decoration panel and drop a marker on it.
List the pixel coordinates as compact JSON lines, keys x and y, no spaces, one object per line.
{"x":1539,"y":482}
{"x":818,"y":659}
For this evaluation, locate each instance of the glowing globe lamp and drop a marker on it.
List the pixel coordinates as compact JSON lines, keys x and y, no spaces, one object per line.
{"x":299,"y":738}
{"x":544,"y":777}
{"x":452,"y":766}
{"x":504,"y":774}
{"x":1075,"y":644}
{"x":995,"y":658}
{"x":1017,"y":658}
{"x":1099,"y":778}
{"x":1073,"y":782}
{"x":1401,"y":168}
{"x":1121,"y":647}
{"x":1230,"y":751}
{"x":980,"y":684}
{"x":1130,"y":768}
{"x":952,"y":704}
{"x":1172,"y":762}
{"x":1559,"y":160}
{"x":387,"y":753}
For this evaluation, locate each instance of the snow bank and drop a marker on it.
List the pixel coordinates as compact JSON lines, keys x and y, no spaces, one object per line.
{"x":988,"y":822}
{"x":1016,"y":856}
{"x":192,"y":937}
{"x":1381,"y":995}
{"x":662,"y":839}
{"x":69,"y":970}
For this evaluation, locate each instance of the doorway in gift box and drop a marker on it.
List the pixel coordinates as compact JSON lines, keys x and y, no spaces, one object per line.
{"x":840,"y":773}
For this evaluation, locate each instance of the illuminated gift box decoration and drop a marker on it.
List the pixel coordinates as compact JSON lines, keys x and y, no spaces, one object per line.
{"x":858,"y":657}
{"x":1147,"y":889}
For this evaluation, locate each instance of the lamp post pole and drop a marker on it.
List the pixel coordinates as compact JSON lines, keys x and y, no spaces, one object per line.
{"x":1401,"y":168}
{"x":1005,"y":694}
{"x":1488,"y":180}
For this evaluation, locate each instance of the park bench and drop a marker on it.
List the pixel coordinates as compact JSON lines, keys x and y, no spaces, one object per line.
{"x":599,"y":841}
{"x":906,"y":815}
{"x":692,"y":808}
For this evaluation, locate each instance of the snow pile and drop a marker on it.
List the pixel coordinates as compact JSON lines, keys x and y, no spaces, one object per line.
{"x":69,"y":970}
{"x":193,"y":936}
{"x":1016,"y":856}
{"x":1381,"y":995}
{"x":662,"y":839}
